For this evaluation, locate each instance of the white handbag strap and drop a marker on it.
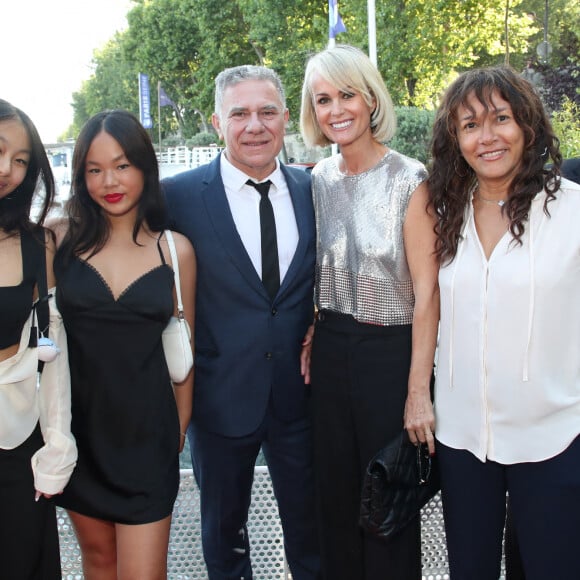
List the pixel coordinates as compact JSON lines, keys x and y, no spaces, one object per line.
{"x":175,"y":265}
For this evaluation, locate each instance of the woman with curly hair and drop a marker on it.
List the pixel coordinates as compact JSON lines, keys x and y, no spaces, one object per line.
{"x":507,"y":396}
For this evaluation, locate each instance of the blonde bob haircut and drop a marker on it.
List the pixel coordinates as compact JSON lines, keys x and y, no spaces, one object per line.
{"x":348,"y":69}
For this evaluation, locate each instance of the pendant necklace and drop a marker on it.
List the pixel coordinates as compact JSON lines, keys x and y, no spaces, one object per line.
{"x":500,"y":202}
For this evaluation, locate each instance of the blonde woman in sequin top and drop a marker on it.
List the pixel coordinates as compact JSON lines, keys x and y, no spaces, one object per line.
{"x":370,"y":361}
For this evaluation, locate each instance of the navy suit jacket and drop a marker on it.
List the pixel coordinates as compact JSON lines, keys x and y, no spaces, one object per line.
{"x":247,"y":349}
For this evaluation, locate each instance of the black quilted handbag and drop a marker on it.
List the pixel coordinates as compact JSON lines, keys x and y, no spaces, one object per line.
{"x":400,"y":479}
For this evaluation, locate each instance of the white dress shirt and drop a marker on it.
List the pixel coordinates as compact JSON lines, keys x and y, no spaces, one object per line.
{"x":244,"y":201}
{"x":508,"y":372}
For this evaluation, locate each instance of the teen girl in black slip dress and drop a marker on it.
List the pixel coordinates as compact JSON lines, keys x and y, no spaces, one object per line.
{"x":116,"y":293}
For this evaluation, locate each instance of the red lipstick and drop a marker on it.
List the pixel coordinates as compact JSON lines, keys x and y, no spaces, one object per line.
{"x":113,"y":197}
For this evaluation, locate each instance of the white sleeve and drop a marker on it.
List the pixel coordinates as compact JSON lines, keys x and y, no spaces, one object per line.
{"x":53,"y":463}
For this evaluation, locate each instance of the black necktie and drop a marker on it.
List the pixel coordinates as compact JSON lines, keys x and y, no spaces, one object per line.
{"x":270,"y":266}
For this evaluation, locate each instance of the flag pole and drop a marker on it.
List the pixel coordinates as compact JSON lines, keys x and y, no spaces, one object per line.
{"x":159,"y":115}
{"x":332,"y":44}
{"x":371,"y":17}
{"x":335,"y":26}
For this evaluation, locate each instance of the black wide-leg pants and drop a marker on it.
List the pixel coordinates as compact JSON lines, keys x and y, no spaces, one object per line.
{"x":359,"y":376}
{"x":29,"y":548}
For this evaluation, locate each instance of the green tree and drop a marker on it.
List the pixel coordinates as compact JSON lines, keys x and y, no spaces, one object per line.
{"x":563,"y":32}
{"x":421,"y":46}
{"x":566,"y":123}
{"x":163,"y":41}
{"x":283,"y":34}
{"x":112,"y":85}
{"x":557,"y":76}
{"x":414,"y":127}
{"x":224,"y":43}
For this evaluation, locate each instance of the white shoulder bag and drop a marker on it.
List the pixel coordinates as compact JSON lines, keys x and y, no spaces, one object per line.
{"x":177,"y":334}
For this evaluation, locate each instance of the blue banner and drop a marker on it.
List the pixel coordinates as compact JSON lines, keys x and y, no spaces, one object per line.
{"x":145,"y":101}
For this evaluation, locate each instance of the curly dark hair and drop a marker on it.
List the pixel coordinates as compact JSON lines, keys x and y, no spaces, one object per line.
{"x":88,"y":225}
{"x":15,"y":208}
{"x":451,"y":178}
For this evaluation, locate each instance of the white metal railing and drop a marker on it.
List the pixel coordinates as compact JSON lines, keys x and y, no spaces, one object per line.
{"x":188,"y":157}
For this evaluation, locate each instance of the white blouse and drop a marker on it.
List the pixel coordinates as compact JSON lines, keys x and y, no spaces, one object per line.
{"x":508,"y":371}
{"x":26,"y":401}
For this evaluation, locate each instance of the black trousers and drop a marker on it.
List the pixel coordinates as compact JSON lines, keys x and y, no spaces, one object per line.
{"x":545,"y":509}
{"x":29,"y":548}
{"x":359,"y":375}
{"x":224,"y":471}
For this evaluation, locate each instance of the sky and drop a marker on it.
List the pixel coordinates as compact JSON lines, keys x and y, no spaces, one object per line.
{"x":47,"y":48}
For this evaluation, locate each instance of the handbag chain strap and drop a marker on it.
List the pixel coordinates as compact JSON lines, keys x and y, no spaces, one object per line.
{"x":175,"y":265}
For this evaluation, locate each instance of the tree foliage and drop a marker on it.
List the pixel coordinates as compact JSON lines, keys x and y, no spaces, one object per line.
{"x":163,"y":43}
{"x":223,"y":33}
{"x":113,"y":84}
{"x":563,"y":32}
{"x":566,"y":124}
{"x":421,"y":46}
{"x":413,"y":135}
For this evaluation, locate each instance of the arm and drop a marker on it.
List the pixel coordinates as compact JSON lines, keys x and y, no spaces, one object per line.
{"x":188,"y":274}
{"x":419,"y":240}
{"x":53,"y":463}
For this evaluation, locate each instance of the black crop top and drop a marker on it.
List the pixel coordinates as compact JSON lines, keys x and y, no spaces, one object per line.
{"x":16,"y":301}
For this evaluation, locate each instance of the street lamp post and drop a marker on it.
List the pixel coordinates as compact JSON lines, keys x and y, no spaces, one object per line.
{"x":544,"y":49}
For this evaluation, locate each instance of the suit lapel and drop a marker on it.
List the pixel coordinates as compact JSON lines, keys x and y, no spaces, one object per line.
{"x":220,"y":215}
{"x":218,"y":209}
{"x":304,"y":215}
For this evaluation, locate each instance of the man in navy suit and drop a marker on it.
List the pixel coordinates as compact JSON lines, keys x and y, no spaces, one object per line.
{"x":249,"y":393}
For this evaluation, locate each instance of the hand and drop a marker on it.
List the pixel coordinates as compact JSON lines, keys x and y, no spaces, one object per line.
{"x":39,"y":494}
{"x":419,"y":420}
{"x":305,"y":354}
{"x":182,"y":437}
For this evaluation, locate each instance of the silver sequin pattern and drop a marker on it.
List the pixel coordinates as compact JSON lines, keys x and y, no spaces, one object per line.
{"x":361,"y":266}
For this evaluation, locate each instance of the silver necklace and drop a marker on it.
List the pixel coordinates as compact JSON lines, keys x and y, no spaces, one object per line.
{"x":500,"y":202}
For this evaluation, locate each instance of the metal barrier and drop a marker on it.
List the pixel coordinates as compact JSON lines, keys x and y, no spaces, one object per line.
{"x":185,"y":560}
{"x":188,"y":157}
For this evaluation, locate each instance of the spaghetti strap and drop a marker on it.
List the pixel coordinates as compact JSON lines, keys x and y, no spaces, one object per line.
{"x":159,"y":247}
{"x":33,"y":254}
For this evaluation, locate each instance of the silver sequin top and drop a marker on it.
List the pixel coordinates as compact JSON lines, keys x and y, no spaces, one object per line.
{"x":361,"y":266}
